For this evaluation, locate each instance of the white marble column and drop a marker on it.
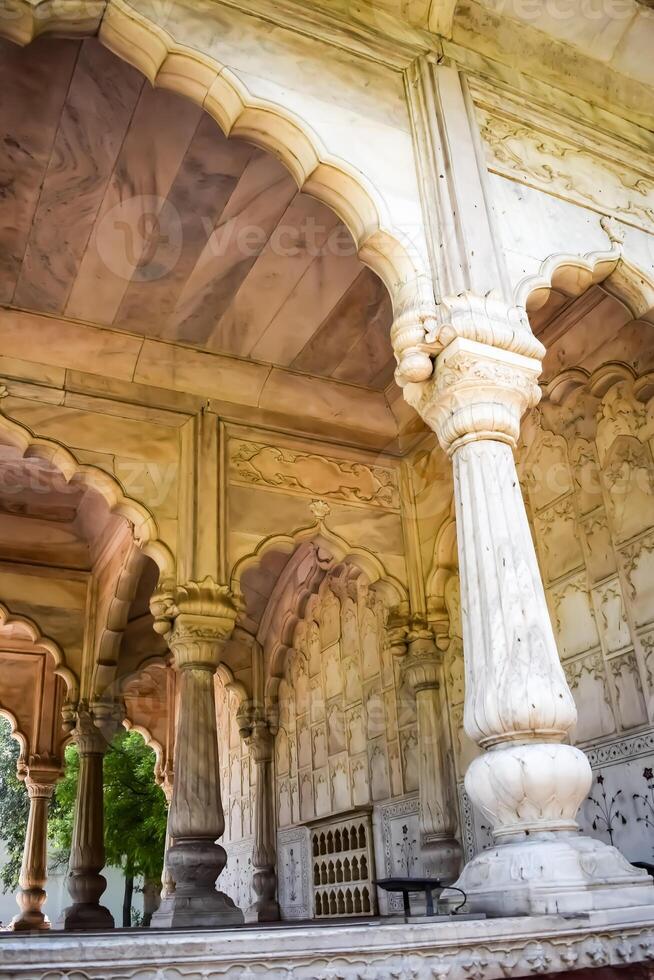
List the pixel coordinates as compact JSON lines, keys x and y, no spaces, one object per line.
{"x":423,"y":670}
{"x":528,"y":783}
{"x":264,"y":855}
{"x":40,"y":784}
{"x":85,"y":882}
{"x":200,"y":619}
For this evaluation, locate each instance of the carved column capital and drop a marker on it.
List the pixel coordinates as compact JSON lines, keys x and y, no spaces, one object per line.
{"x":423,"y":660}
{"x":40,"y":780}
{"x":261,"y":741}
{"x":477,"y":392}
{"x":196,"y":618}
{"x":94,"y":725}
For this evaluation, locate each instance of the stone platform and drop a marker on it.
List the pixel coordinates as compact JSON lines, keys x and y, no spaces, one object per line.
{"x":481,"y":949}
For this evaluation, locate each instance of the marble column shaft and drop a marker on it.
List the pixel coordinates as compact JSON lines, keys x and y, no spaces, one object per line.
{"x":201,"y":619}
{"x":529,"y":782}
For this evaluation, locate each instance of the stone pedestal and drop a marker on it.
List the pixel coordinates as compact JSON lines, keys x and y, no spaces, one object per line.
{"x":423,"y":671}
{"x":529,"y":783}
{"x":31,"y":896}
{"x":264,"y":879}
{"x":85,"y":882}
{"x":197,"y":622}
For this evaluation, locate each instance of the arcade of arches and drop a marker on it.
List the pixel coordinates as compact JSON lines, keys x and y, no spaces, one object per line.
{"x":353,"y":523}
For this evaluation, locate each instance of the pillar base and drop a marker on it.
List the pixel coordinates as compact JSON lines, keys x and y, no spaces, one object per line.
{"x":86,"y":918}
{"x":265,"y":910}
{"x":30,"y":922}
{"x":553,"y":873}
{"x":442,"y":857}
{"x":197,"y":911}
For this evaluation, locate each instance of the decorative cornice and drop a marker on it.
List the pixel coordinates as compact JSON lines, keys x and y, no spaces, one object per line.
{"x":194,"y":604}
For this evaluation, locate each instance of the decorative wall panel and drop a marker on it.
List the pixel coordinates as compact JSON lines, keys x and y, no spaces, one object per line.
{"x":257,"y":464}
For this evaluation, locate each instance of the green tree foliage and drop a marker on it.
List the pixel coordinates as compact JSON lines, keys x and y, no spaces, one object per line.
{"x":14,"y":808}
{"x":134,"y":810}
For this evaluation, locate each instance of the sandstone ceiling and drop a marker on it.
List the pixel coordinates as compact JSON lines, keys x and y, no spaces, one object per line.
{"x":590,"y":330}
{"x":126,"y":207}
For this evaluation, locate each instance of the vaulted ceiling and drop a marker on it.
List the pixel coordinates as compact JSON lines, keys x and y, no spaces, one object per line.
{"x":126,"y":207}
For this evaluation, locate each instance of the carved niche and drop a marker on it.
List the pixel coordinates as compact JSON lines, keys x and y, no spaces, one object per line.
{"x":339,"y":708}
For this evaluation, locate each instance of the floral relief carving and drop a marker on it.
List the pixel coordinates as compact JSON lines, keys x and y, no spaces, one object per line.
{"x":308,"y":473}
{"x":558,"y":166}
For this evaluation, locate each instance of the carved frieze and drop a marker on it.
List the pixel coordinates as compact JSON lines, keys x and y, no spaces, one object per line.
{"x":575,"y":169}
{"x":257,"y":464}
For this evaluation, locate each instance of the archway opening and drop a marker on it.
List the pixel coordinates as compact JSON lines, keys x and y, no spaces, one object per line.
{"x":587,"y":465}
{"x":186,"y":237}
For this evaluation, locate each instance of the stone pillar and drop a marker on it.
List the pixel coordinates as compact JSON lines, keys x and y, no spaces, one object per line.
{"x":528,"y":783}
{"x":423,"y":671}
{"x":85,"y":882}
{"x":167,"y":880}
{"x":40,"y":784}
{"x":200,"y":618}
{"x":264,"y":857}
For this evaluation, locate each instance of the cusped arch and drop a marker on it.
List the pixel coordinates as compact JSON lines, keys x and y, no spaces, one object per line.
{"x":144,"y":527}
{"x":151,"y":743}
{"x":312,"y":552}
{"x":574,"y":274}
{"x":388,"y":250}
{"x":27,"y":628}
{"x":165,"y":62}
{"x":16,"y":733}
{"x":334,"y":549}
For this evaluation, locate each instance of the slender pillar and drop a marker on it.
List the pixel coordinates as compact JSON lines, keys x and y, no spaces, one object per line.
{"x":264,"y":857}
{"x":85,"y":882}
{"x":202,"y":617}
{"x":423,"y":671}
{"x":167,"y":880}
{"x":40,"y":786}
{"x":528,"y":783}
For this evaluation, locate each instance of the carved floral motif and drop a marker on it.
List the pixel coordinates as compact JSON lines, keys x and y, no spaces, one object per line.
{"x":339,"y":479}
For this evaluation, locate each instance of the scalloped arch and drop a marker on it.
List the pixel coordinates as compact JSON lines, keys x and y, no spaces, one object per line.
{"x":574,"y":274}
{"x":31,"y":630}
{"x":395,"y":255}
{"x":16,"y":733}
{"x":151,"y":742}
{"x":389,"y":252}
{"x":325,"y":550}
{"x":338,"y":550}
{"x":144,"y":527}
